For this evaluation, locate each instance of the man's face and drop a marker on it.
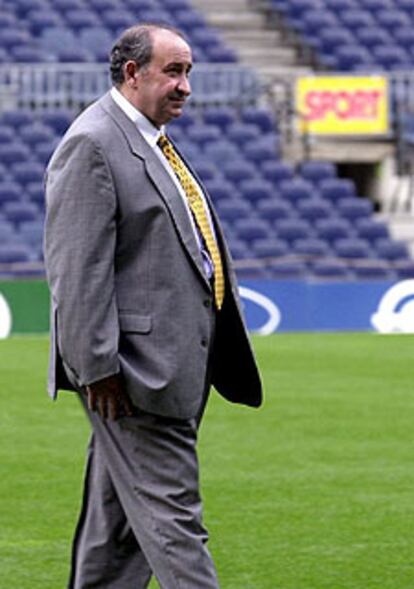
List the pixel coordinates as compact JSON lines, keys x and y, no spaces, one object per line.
{"x":162,"y":87}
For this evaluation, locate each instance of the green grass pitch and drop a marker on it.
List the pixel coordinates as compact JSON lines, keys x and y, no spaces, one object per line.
{"x":313,"y":491}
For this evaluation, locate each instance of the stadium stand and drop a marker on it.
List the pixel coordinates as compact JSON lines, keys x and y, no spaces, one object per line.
{"x":282,"y":220}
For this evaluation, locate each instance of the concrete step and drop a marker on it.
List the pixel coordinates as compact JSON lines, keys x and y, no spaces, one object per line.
{"x":258,"y":37}
{"x":222,"y":5}
{"x":235,"y":20}
{"x":257,"y":56}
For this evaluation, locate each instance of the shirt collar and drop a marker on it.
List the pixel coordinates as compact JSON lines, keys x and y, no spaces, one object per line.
{"x":151,"y":134}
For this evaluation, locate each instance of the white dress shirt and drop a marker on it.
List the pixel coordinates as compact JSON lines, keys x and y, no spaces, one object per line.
{"x":151,"y":135}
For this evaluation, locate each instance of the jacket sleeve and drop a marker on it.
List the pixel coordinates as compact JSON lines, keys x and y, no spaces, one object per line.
{"x":80,"y":237}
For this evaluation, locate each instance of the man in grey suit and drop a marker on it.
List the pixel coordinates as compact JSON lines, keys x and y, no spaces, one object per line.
{"x":145,"y":317}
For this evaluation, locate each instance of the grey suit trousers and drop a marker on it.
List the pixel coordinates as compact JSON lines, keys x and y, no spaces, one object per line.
{"x":141,"y":512}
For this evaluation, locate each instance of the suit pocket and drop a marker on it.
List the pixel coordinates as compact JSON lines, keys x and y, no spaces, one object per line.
{"x":133,"y":323}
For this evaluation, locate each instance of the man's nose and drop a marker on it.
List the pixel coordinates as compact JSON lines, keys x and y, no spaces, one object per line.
{"x":184,"y":85}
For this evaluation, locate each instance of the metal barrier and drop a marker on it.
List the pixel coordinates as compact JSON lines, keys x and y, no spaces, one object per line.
{"x":76,"y":85}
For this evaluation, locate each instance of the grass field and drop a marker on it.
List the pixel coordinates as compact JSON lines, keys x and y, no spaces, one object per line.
{"x":313,"y":491}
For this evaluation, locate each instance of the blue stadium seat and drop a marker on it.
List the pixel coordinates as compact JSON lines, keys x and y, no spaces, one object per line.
{"x":357,"y":17}
{"x":11,"y":37}
{"x":270,"y":247}
{"x":79,"y":19}
{"x":63,"y":6}
{"x":205,"y":37}
{"x":334,"y":189}
{"x":392,"y":19}
{"x":116,"y":20}
{"x":241,"y":133}
{"x":31,"y":233}
{"x":7,"y":134}
{"x":56,"y":39}
{"x":15,"y":253}
{"x":274,"y":209}
{"x":30,"y":54}
{"x":44,"y":151}
{"x":25,"y":172}
{"x":8,"y":234}
{"x":314,"y":208}
{"x":203,"y":134}
{"x":373,"y":36}
{"x":75,"y":54}
{"x":350,"y":57}
{"x":221,"y":151}
{"x":36,"y":133}
{"x":404,"y":268}
{"x":292,"y":229}
{"x":101,"y":5}
{"x":371,"y":229}
{"x":17,"y":118}
{"x":264,"y":149}
{"x":23,"y":7}
{"x":19,"y":212}
{"x":331,"y":268}
{"x":238,"y":170}
{"x":392,"y":57}
{"x":239,"y":250}
{"x":288,"y":269}
{"x":333,"y":37}
{"x":255,"y":190}
{"x":58,"y":119}
{"x":11,"y":153}
{"x":374,"y":270}
{"x":389,"y":249}
{"x":220,"y":116}
{"x":40,"y":20}
{"x":353,"y":208}
{"x":250,"y":229}
{"x":316,"y":171}
{"x":261,"y":117}
{"x":311,"y":248}
{"x":174,"y":5}
{"x":96,"y":40}
{"x":219,"y":189}
{"x":10,"y":191}
{"x":36,"y":193}
{"x":295,"y":190}
{"x":221,"y":54}
{"x":277,"y":171}
{"x":352,"y":248}
{"x":188,"y":20}
{"x":333,"y":229}
{"x":206,"y":170}
{"x":232,"y":210}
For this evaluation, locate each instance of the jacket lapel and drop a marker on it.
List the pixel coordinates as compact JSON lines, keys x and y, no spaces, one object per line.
{"x":161,"y":181}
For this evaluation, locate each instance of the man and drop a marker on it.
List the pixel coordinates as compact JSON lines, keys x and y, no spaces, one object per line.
{"x":145,"y":317}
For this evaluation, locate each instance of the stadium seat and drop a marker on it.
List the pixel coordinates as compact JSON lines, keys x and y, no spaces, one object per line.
{"x":277,"y":171}
{"x":274,"y":209}
{"x":11,"y":153}
{"x":25,"y":172}
{"x":391,"y":250}
{"x":222,"y":151}
{"x":391,"y":57}
{"x":96,"y":40}
{"x":116,"y":20}
{"x":57,"y":119}
{"x":288,"y":269}
{"x":238,"y":249}
{"x":316,"y":171}
{"x":333,"y":37}
{"x":6,"y":134}
{"x":19,"y":212}
{"x":270,"y":247}
{"x":241,"y":133}
{"x":260,"y":117}
{"x":238,"y":170}
{"x":15,"y":253}
{"x":250,"y":229}
{"x":203,"y":134}
{"x":17,"y":118}
{"x":373,"y":36}
{"x":255,"y":190}
{"x":334,"y":189}
{"x":221,"y":54}
{"x":36,"y":193}
{"x":40,"y":20}
{"x":353,"y":208}
{"x":392,"y":19}
{"x":219,"y":189}
{"x":262,"y":150}
{"x":31,"y":233}
{"x":232,"y":210}
{"x":314,"y":208}
{"x":292,"y":229}
{"x":330,"y":268}
{"x":10,"y":191}
{"x":221,"y":117}
{"x":404,"y":268}
{"x":295,"y":190}
{"x":352,"y":248}
{"x":311,"y":248}
{"x":371,"y":229}
{"x":8,"y":234}
{"x":36,"y":133}
{"x":206,"y":170}
{"x":350,"y":57}
{"x":373,"y":270}
{"x":79,"y":19}
{"x":333,"y":229}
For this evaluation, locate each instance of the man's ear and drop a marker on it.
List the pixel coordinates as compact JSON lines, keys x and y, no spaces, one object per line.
{"x":131,"y":71}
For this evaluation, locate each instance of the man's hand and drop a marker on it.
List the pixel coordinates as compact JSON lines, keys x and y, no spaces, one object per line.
{"x":108,"y":398}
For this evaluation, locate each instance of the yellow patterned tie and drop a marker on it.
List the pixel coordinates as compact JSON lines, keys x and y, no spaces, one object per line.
{"x":198,"y":209}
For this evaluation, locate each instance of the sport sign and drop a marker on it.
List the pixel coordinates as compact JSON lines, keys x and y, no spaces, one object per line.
{"x":342,"y":105}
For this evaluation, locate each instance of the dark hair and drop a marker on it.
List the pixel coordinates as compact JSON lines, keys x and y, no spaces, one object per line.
{"x":136,"y":44}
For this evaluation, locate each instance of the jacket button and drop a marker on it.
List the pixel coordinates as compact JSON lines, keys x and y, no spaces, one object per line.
{"x":204,"y":342}
{"x":207,"y":303}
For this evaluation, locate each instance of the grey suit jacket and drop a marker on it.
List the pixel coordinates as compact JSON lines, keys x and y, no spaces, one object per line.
{"x":128,"y":288}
